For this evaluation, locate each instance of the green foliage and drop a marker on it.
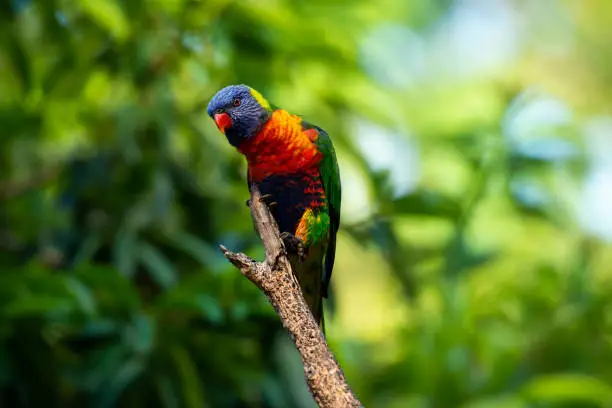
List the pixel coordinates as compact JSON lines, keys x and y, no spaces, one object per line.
{"x":470,"y":282}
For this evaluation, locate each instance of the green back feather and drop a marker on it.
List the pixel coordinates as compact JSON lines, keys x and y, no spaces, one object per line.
{"x":330,"y":173}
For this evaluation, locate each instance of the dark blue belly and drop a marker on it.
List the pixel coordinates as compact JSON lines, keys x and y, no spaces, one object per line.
{"x":289,"y":192}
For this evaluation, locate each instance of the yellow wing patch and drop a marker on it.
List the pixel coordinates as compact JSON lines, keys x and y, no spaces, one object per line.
{"x":260,"y":99}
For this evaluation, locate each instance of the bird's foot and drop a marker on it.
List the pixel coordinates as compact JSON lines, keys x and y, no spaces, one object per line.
{"x":267,"y":199}
{"x":294,"y":245}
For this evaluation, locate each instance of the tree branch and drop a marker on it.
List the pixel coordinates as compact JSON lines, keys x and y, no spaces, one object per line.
{"x":275,"y":278}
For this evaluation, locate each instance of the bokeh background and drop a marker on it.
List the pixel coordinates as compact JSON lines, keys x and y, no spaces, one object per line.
{"x":474,"y":264}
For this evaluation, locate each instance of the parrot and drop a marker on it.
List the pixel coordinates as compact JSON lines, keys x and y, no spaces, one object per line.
{"x":293,"y":164}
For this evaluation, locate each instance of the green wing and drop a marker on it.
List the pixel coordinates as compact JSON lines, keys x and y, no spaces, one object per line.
{"x":330,"y":173}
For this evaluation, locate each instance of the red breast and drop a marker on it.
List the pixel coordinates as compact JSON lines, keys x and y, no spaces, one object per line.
{"x":280,"y":147}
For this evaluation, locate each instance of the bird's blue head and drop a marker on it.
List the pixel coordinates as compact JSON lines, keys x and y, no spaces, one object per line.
{"x":239,"y":111}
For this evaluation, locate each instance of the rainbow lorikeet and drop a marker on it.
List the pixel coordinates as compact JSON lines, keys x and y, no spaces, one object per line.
{"x":293,"y":163}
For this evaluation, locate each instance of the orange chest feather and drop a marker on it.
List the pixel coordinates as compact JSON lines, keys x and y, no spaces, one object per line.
{"x":281,"y":147}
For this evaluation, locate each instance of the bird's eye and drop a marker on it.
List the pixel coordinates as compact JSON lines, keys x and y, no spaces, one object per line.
{"x":236,"y":102}
{"x":219,"y":111}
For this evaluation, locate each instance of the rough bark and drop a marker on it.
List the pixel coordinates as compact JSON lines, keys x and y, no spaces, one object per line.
{"x":275,"y":278}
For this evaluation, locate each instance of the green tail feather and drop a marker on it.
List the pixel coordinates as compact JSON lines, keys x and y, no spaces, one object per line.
{"x":310,"y":276}
{"x":322,"y":322}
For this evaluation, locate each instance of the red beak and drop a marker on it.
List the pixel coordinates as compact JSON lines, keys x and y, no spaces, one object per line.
{"x":223,"y":121}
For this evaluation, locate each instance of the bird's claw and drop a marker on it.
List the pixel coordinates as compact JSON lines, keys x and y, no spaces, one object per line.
{"x":294,"y":245}
{"x":267,"y":199}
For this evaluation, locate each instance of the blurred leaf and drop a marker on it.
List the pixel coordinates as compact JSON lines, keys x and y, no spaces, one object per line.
{"x":124,"y":251}
{"x":20,"y":62}
{"x":112,"y":290}
{"x":160,"y":269}
{"x":109,"y":16}
{"x":427,"y":203}
{"x":197,"y":248}
{"x":88,"y":248}
{"x":497,"y":402}
{"x":83,"y":296}
{"x":141,"y":334}
{"x":193,"y":396}
{"x":127,"y":373}
{"x":167,"y":392}
{"x":568,"y":387}
{"x":210,"y":307}
{"x":38,"y":306}
{"x":99,"y":328}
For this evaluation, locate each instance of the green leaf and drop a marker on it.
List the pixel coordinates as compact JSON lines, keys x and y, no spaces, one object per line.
{"x":83,"y":295}
{"x":124,"y":251}
{"x":167,"y":392}
{"x":88,"y":248}
{"x":39,"y":305}
{"x":210,"y":307}
{"x":193,"y":396}
{"x":141,"y":334}
{"x":427,"y":203}
{"x":112,"y":290}
{"x":505,"y":401}
{"x":195,"y":247}
{"x":20,"y":61}
{"x":160,"y":269}
{"x":108,"y":15}
{"x":128,"y":372}
{"x":568,"y":387}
